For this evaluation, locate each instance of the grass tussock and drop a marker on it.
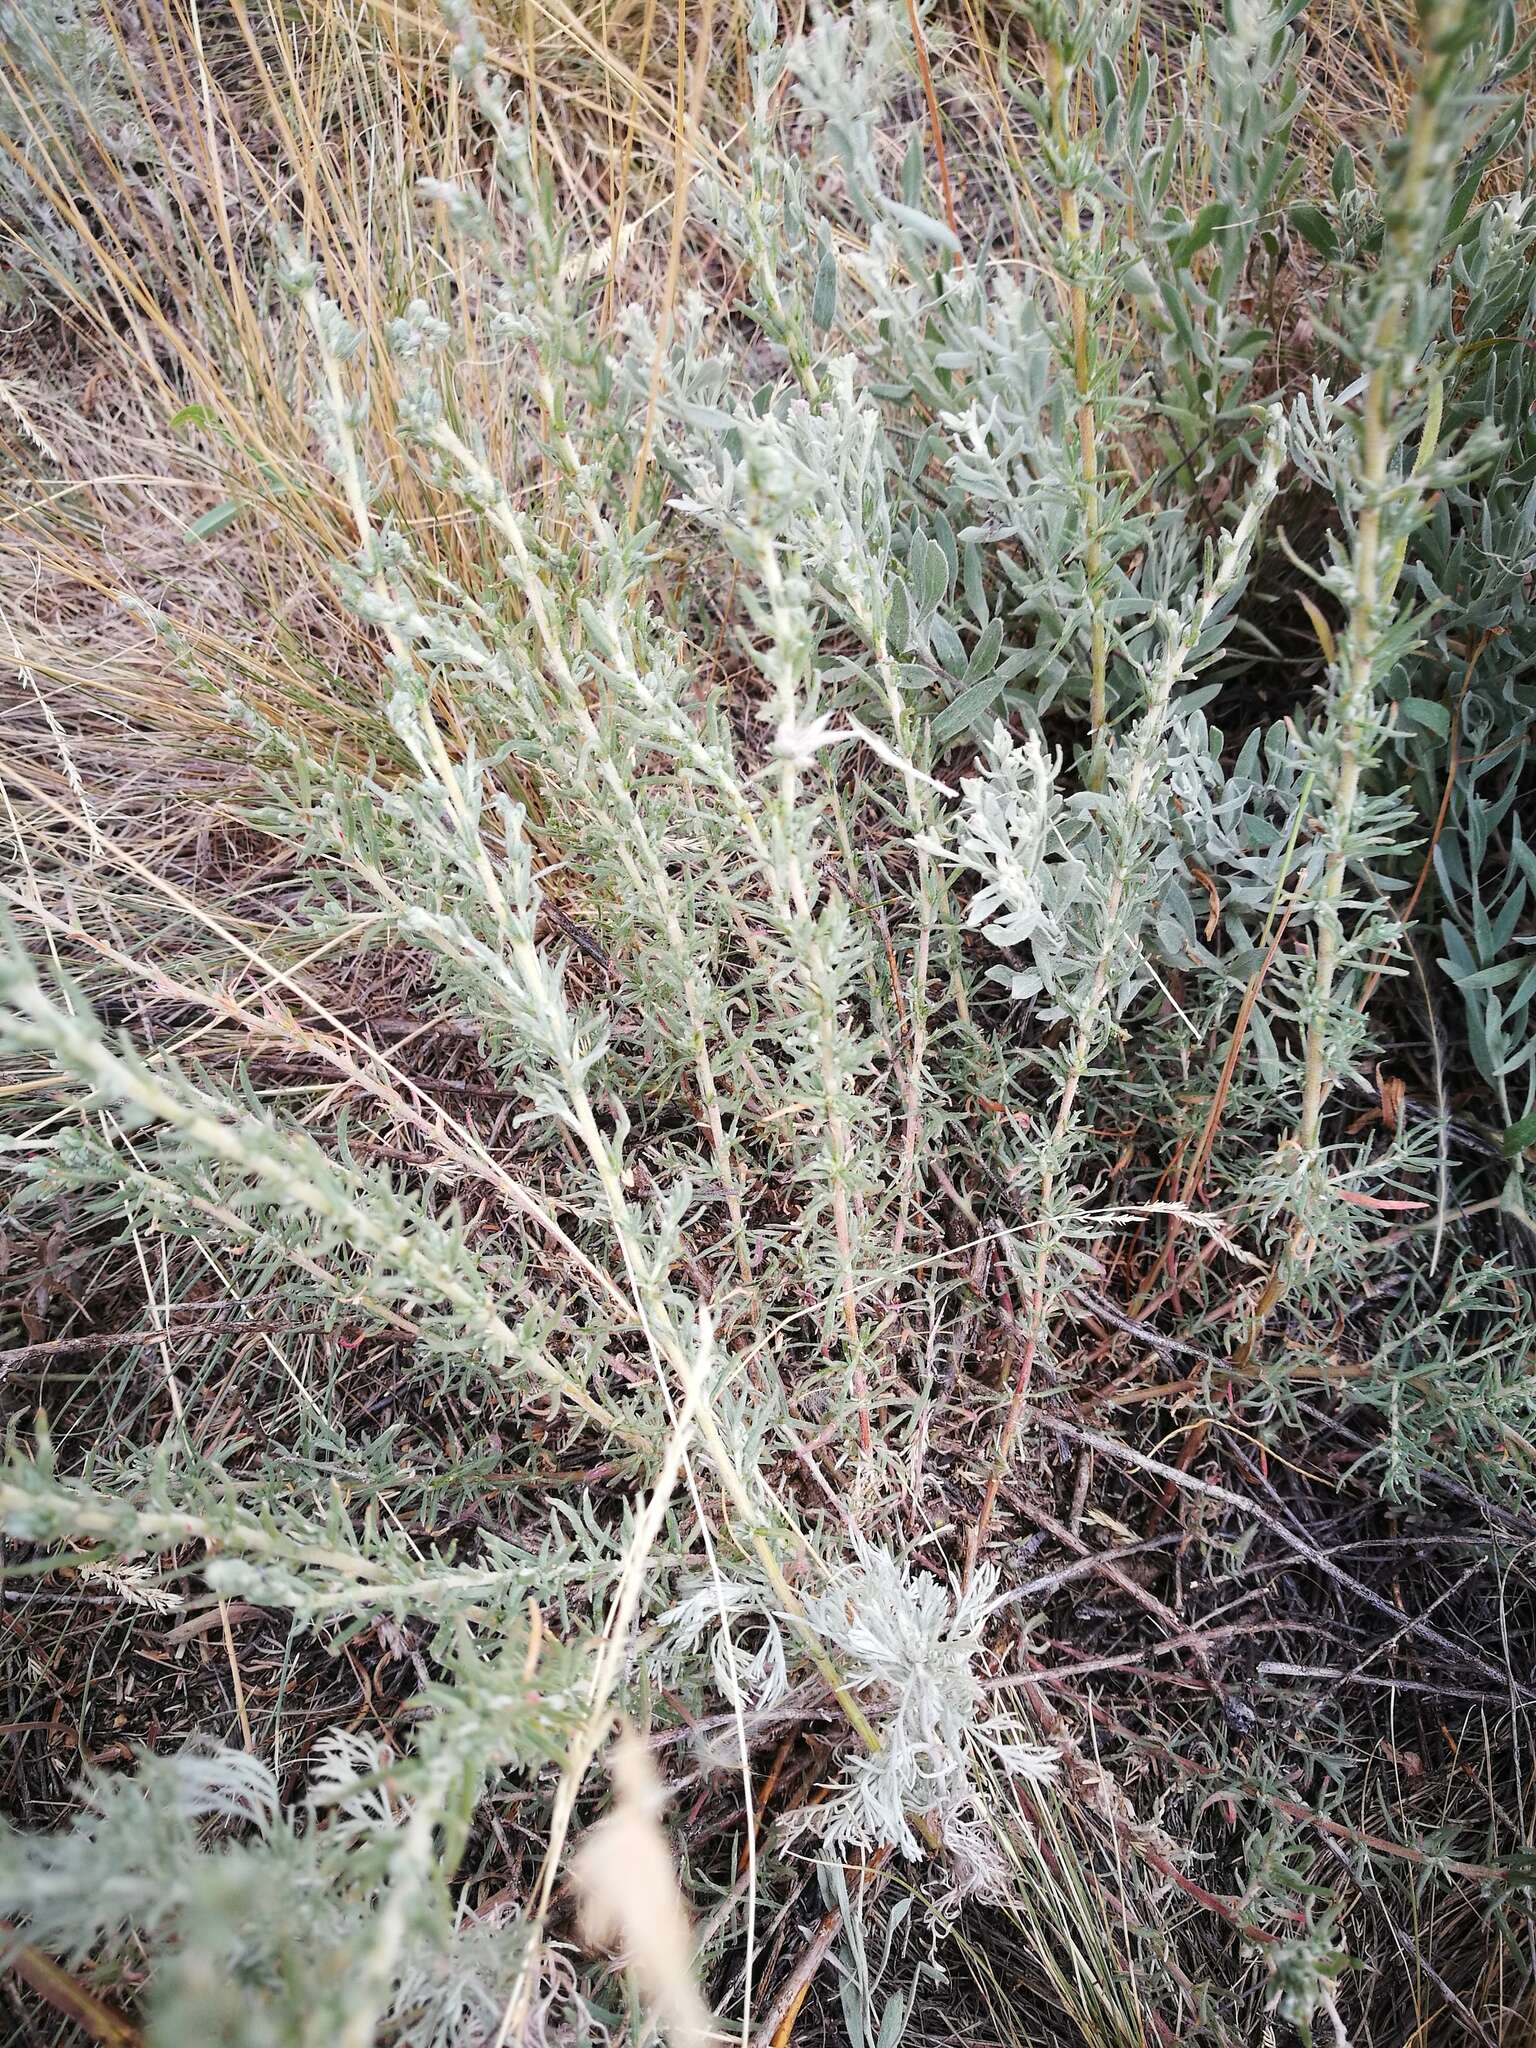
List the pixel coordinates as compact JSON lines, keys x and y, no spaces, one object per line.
{"x":769,"y":1063}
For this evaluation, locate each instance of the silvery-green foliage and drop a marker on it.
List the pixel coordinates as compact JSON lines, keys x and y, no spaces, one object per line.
{"x":910,"y":1643}
{"x":746,"y":1641}
{"x":701,"y":915}
{"x":1062,"y":548}
{"x":1018,"y":495}
{"x":409,"y":1254}
{"x":1236,"y":825}
{"x":1039,"y":850}
{"x":260,"y":1910}
{"x":1453,"y":1384}
{"x":815,"y":473}
{"x":797,"y":493}
{"x":1078,"y":879}
{"x":1382,"y":452}
{"x":770,"y":219}
{"x":1470,"y":697}
{"x":846,"y":68}
{"x":128,"y":1858}
{"x":1239,"y":107}
{"x":1012,"y":835}
{"x":319,"y":1563}
{"x":1090,"y":879}
{"x":819,"y":476}
{"x":1488,"y":942}
{"x":60,"y":66}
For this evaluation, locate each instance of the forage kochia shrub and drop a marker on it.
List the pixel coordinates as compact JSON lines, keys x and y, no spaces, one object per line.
{"x":857,"y":709}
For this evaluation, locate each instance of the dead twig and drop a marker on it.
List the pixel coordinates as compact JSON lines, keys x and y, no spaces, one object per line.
{"x":1207,"y":1489}
{"x":787,"y":1999}
{"x":67,"y":1995}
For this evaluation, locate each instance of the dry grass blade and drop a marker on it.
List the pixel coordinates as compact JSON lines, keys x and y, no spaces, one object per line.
{"x":631,"y":1903}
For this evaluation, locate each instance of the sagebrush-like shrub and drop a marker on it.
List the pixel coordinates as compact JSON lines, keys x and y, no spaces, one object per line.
{"x":921,"y":776}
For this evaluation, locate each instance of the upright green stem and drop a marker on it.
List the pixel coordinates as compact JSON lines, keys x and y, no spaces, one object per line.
{"x":1058,"y":86}
{"x":655,"y":1318}
{"x":786,"y":877}
{"x":1375,"y":565}
{"x":672,"y":1354}
{"x":1142,"y":759}
{"x":928,"y":887}
{"x":355,"y":489}
{"x":1085,"y":1039}
{"x":636,"y":848}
